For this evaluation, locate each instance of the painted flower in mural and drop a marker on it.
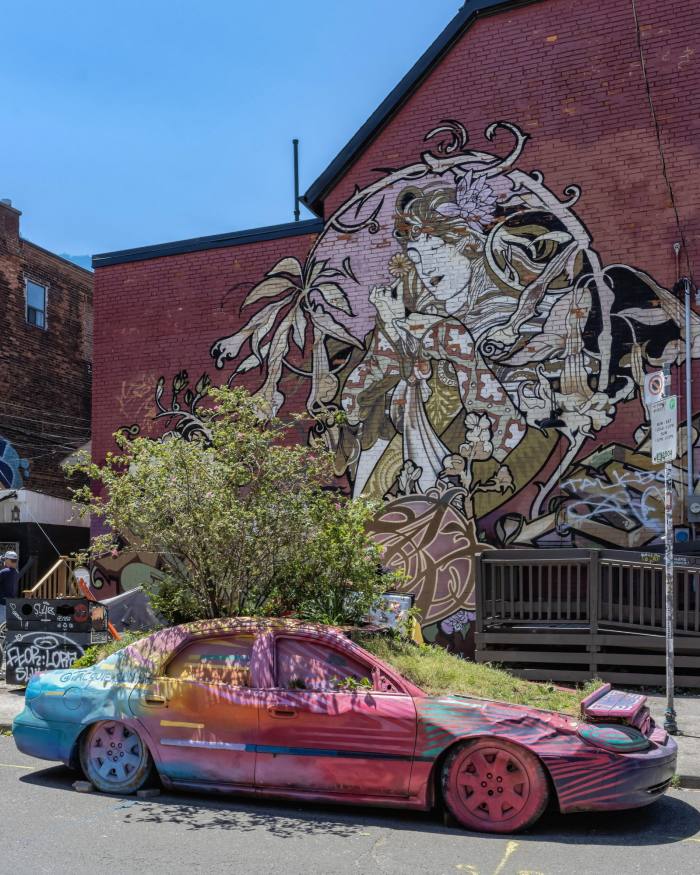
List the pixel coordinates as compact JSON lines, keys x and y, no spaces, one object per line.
{"x":477,"y":437}
{"x":399,"y":265}
{"x":408,"y":478}
{"x":475,"y":202}
{"x":457,"y":622}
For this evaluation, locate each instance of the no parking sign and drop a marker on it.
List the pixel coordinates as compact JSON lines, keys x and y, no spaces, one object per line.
{"x":654,"y":387}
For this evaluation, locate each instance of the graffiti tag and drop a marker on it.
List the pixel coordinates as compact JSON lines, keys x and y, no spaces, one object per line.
{"x":33,"y":652}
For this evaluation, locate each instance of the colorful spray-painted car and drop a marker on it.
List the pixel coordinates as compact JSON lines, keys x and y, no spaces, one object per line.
{"x":293,"y":710}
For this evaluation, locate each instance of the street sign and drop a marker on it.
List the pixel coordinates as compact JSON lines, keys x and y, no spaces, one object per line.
{"x":664,"y":431}
{"x":654,"y":387}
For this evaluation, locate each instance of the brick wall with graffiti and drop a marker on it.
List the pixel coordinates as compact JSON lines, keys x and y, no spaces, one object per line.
{"x":470,"y":330}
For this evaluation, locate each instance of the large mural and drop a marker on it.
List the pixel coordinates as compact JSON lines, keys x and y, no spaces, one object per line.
{"x":466,"y":356}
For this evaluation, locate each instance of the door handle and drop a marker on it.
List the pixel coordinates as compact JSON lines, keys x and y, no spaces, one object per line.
{"x":155,"y":700}
{"x":281,"y":712}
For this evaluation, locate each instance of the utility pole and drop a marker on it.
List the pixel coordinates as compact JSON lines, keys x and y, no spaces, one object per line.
{"x":663,"y":414}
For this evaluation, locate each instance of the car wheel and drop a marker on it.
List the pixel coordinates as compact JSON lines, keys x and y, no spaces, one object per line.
{"x":492,"y":785}
{"x":114,"y":758}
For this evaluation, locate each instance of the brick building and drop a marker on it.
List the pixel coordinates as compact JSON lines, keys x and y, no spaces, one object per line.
{"x":490,"y":277}
{"x":45,"y":386}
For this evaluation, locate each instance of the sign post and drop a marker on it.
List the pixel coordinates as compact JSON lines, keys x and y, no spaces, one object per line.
{"x":664,"y":446}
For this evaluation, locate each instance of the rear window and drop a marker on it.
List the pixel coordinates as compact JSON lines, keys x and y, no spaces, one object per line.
{"x":215,"y":661}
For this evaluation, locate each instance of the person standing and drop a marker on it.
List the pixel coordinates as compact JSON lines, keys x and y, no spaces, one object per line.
{"x":9,"y":581}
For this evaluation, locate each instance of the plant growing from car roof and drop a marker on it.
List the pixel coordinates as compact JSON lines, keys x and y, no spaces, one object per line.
{"x":240,"y":513}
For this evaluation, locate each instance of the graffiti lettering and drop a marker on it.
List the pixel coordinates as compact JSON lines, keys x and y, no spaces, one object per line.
{"x":44,"y":610}
{"x":31,"y":652}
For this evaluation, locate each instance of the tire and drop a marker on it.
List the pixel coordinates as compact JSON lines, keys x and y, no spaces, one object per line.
{"x":114,"y":758}
{"x":492,"y":785}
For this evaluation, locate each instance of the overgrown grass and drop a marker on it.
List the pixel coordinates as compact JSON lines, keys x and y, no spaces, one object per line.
{"x":438,"y":672}
{"x":432,"y":668}
{"x":98,"y":652}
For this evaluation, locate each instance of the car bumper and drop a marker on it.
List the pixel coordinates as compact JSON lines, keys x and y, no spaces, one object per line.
{"x":616,"y":782}
{"x":46,"y":740}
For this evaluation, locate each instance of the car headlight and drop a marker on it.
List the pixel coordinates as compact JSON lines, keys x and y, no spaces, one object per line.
{"x":614,"y":737}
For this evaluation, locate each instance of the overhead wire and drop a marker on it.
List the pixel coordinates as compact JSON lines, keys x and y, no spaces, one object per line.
{"x":33,"y":410}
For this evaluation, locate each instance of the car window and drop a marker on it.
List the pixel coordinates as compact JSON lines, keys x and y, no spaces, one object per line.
{"x":310,"y":665}
{"x":215,"y":661}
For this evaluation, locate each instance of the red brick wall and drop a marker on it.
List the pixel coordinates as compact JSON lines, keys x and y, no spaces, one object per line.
{"x":158,"y":317}
{"x":44,"y":374}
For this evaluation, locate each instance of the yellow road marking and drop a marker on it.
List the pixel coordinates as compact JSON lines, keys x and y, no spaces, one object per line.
{"x":182,"y":724}
{"x":511,"y":848}
{"x":13,"y":766}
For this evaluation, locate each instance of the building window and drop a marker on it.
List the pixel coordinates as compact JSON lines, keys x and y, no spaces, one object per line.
{"x":36,"y":303}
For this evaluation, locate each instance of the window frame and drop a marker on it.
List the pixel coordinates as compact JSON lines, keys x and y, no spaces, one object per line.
{"x":374,"y":670}
{"x":45,"y":286}
{"x":201,"y":640}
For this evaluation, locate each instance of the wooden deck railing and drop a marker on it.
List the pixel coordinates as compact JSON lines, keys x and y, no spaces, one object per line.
{"x":593,"y":588}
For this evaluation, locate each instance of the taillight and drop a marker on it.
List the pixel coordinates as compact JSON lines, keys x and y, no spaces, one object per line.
{"x":613,"y":737}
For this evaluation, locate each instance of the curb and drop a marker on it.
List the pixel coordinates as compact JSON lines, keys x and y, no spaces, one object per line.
{"x":689,"y":782}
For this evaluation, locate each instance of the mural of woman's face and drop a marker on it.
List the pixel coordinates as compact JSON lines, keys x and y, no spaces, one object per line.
{"x":444,"y":270}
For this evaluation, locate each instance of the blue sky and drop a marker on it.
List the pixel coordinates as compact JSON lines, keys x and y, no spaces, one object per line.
{"x":128,"y":123}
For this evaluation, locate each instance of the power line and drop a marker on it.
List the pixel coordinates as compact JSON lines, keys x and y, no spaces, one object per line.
{"x":33,"y":410}
{"x":82,"y":428}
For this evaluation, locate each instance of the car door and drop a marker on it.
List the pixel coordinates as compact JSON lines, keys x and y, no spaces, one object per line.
{"x":326,"y":726}
{"x":202,"y":714}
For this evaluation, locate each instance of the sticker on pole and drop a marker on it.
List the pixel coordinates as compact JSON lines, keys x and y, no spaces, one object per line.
{"x":664,"y":431}
{"x":654,"y":385}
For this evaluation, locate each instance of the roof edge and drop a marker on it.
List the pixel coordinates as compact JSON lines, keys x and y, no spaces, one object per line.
{"x":467,"y":15}
{"x":214,"y":241}
{"x":58,"y":257}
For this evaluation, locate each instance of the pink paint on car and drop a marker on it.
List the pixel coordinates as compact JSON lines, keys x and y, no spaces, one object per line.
{"x":294,"y":710}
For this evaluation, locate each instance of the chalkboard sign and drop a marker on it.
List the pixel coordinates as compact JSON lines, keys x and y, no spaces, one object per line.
{"x":55,"y":615}
{"x":26,"y":653}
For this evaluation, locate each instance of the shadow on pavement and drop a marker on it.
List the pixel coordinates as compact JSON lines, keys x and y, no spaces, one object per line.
{"x":670,"y":819}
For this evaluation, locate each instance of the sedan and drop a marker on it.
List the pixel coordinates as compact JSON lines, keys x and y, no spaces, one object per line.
{"x":298,"y":711}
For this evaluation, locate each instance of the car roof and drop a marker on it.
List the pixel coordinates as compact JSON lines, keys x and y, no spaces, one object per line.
{"x":148,"y":655}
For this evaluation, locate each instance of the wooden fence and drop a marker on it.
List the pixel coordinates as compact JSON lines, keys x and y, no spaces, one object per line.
{"x":549,"y":613}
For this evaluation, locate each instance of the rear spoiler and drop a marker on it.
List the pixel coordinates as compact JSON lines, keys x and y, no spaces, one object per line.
{"x":614,"y":706}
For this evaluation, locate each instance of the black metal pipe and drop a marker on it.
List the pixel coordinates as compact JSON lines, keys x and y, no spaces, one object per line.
{"x":296,"y":180}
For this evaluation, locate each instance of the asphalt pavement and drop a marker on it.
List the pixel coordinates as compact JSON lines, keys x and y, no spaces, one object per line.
{"x":47,"y":827}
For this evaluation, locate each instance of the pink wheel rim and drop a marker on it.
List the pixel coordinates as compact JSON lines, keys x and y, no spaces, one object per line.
{"x":492,"y":784}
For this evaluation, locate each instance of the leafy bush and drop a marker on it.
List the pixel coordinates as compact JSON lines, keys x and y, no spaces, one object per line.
{"x":239,"y":513}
